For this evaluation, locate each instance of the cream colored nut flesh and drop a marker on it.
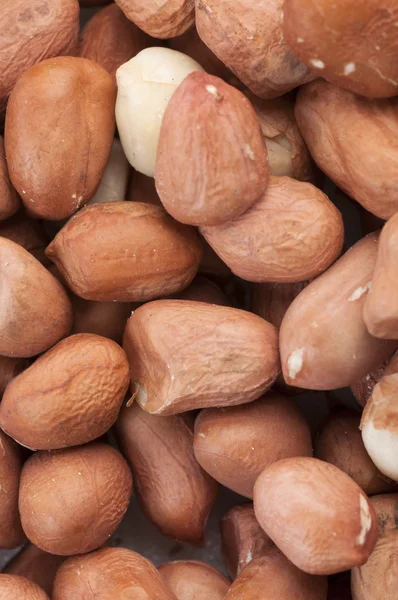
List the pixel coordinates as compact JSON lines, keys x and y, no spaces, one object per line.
{"x":145,"y":86}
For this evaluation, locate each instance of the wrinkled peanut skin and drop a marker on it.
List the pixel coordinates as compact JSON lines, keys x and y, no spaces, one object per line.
{"x":186,"y":355}
{"x":110,"y":573}
{"x":194,"y":580}
{"x":160,"y":18}
{"x":13,"y":587}
{"x":354,"y":140}
{"x":36,"y":565}
{"x":328,"y":525}
{"x":11,"y":533}
{"x":71,"y":501}
{"x":173,"y":490}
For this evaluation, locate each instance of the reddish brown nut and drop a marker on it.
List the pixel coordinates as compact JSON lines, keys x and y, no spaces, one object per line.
{"x":378,"y":578}
{"x":125,"y":252}
{"x":9,"y":201}
{"x":287,"y":152}
{"x":11,"y":533}
{"x":71,"y":501}
{"x":242,"y":538}
{"x":13,"y":587}
{"x":212,"y":266}
{"x":36,"y":565}
{"x":31,"y":32}
{"x":28,"y":233}
{"x":354,"y":140}
{"x":235,"y":444}
{"x":326,"y":526}
{"x":363,"y":389}
{"x":110,"y":573}
{"x":10,"y":368}
{"x":215,"y":173}
{"x":164,"y":19}
{"x":142,"y":189}
{"x":340,"y":443}
{"x":189,"y":43}
{"x":205,"y":290}
{"x":185,"y":355}
{"x":381,"y":307}
{"x":292,"y":233}
{"x":194,"y":580}
{"x":174,"y":492}
{"x":270,"y":301}
{"x":110,"y":39}
{"x":379,"y":422}
{"x":348,"y":43}
{"x":324,"y":341}
{"x":248,"y":38}
{"x":75,"y":119}
{"x":276,"y":577}
{"x":103,"y":318}
{"x":71,"y":395}
{"x":36,"y":310}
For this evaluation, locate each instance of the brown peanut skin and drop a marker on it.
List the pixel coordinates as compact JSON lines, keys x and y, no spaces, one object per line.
{"x":242,"y":538}
{"x":37,"y":312}
{"x":381,"y":307}
{"x":291,"y":233}
{"x":36,"y":565}
{"x":110,"y":39}
{"x":248,"y":38}
{"x":110,"y":573}
{"x":102,"y":318}
{"x":28,"y":233}
{"x":173,"y":490}
{"x":10,"y":368}
{"x":203,"y":289}
{"x":31,"y":32}
{"x":125,"y":252}
{"x":354,"y":140}
{"x":340,"y":443}
{"x":211,"y":162}
{"x":14,"y":587}
{"x":270,"y":301}
{"x":235,"y":444}
{"x":328,"y":525}
{"x":71,"y":501}
{"x":82,"y":108}
{"x":363,"y":389}
{"x":165,"y":19}
{"x":69,"y":396}
{"x":11,"y":533}
{"x":273,"y":576}
{"x":378,"y":578}
{"x":9,"y":201}
{"x":324,"y":325}
{"x":351,"y":44}
{"x":194,"y":580}
{"x":186,"y":355}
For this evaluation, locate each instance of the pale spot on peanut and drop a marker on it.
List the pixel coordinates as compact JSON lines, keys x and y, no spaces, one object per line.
{"x":295,"y":362}
{"x":349,"y":68}
{"x":365,"y":520}
{"x":359,"y":292}
{"x":318,"y":64}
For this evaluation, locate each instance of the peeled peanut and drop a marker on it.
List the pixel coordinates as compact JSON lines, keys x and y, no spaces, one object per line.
{"x":69,"y":396}
{"x":164,"y":19}
{"x":381,"y":306}
{"x":203,"y":289}
{"x":36,"y":565}
{"x":194,"y":580}
{"x":31,"y":32}
{"x":36,"y":310}
{"x":11,"y":533}
{"x":292,"y":233}
{"x":354,"y":140}
{"x":26,"y":232}
{"x":145,"y":86}
{"x":354,"y":49}
{"x":324,"y":341}
{"x":215,"y":173}
{"x":110,"y":573}
{"x":235,"y":444}
{"x":10,"y":368}
{"x":102,"y":318}
{"x":379,"y":422}
{"x":326,"y":526}
{"x":65,"y":131}
{"x":9,"y":201}
{"x":248,"y":38}
{"x":185,"y":355}
{"x":363,"y":389}
{"x":71,"y":501}
{"x":13,"y":587}
{"x":378,"y":578}
{"x":113,"y":186}
{"x":274,"y":577}
{"x":287,"y":152}
{"x":271,"y":300}
{"x":340,"y":443}
{"x":110,"y":39}
{"x":174,"y":492}
{"x":125,"y":252}
{"x":242,"y":538}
